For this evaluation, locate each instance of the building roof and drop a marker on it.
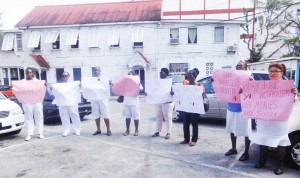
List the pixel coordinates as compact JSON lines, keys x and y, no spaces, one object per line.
{"x":40,"y":61}
{"x":93,"y":13}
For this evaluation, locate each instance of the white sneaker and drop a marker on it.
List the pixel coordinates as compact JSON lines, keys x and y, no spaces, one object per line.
{"x":65,"y":134}
{"x":28,"y":138}
{"x":77,"y":133}
{"x":41,"y":136}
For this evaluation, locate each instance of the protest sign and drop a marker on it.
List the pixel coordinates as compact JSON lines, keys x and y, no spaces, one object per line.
{"x":227,"y":84}
{"x":66,"y":94}
{"x":158,"y":91}
{"x":92,"y":89}
{"x":29,"y":91}
{"x":267,"y":100}
{"x":127,"y":85}
{"x":188,"y":98}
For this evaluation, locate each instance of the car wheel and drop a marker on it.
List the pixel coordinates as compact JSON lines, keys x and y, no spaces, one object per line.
{"x":176,"y":117}
{"x":294,"y":152}
{"x":16,"y":132}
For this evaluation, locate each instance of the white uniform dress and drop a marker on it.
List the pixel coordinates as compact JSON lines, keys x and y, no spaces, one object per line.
{"x":236,"y":124}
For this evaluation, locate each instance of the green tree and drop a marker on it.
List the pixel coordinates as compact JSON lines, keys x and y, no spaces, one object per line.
{"x":269,"y":15}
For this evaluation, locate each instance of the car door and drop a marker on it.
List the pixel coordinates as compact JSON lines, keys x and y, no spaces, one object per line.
{"x":214,"y":109}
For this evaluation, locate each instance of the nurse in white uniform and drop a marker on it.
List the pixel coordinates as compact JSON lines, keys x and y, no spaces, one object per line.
{"x":270,"y":133}
{"x":67,"y":112}
{"x":33,"y":113}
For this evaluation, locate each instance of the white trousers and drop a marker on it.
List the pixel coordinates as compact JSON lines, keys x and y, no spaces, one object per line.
{"x":67,"y":112}
{"x":33,"y":116}
{"x":164,"y":112}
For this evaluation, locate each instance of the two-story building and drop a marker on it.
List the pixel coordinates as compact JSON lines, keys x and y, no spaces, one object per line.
{"x":120,"y":37}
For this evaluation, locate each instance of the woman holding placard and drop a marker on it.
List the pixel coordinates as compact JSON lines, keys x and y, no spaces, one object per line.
{"x":236,"y":125}
{"x":190,"y":118}
{"x":131,"y":109}
{"x":273,"y":133}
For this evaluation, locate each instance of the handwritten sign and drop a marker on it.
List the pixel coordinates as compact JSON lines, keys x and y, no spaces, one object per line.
{"x":188,"y":98}
{"x":29,"y":91}
{"x":92,"y":89}
{"x":127,"y":85}
{"x":227,"y":84}
{"x":158,"y":91}
{"x":66,"y":94}
{"x":267,"y":100}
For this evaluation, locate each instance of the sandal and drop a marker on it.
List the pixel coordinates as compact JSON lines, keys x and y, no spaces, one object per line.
{"x":167,"y":136}
{"x":183,"y":142}
{"x":126,"y":133}
{"x":97,"y":132}
{"x":136,"y":133}
{"x":156,"y":134}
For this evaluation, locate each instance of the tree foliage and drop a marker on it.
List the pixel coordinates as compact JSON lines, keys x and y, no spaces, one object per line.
{"x":269,"y":14}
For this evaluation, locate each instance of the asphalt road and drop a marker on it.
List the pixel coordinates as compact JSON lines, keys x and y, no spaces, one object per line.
{"x":131,"y":156}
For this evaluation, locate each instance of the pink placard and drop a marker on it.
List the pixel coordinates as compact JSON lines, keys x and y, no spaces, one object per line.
{"x":227,"y":84}
{"x":267,"y":100}
{"x":29,"y":91}
{"x":127,"y":85}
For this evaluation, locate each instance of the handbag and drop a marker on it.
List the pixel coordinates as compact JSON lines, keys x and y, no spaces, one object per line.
{"x":120,"y":99}
{"x":205,"y":102}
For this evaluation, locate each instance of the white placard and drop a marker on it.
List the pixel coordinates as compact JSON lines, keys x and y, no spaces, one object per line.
{"x":92,"y":89}
{"x":158,"y":91}
{"x":188,"y":98}
{"x":66,"y":94}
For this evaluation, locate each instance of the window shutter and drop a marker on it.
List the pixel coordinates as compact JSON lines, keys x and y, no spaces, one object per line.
{"x":72,"y":37}
{"x":8,"y":42}
{"x":34,"y":39}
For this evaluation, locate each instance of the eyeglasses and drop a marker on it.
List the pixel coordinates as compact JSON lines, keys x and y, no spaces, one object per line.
{"x":65,"y":76}
{"x":274,"y":71}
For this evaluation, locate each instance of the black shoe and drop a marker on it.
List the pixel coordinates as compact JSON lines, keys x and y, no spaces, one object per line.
{"x":97,"y":132}
{"x":231,"y":152}
{"x":156,"y":134}
{"x":259,"y":165}
{"x":108,"y":133}
{"x":244,"y":157}
{"x":278,"y":171}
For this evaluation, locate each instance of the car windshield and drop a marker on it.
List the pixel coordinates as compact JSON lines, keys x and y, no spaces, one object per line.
{"x":177,"y":78}
{"x":260,"y":76}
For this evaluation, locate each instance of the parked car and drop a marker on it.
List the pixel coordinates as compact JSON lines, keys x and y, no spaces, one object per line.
{"x":11,"y":116}
{"x":6,"y":91}
{"x":51,"y":110}
{"x":217,"y":109}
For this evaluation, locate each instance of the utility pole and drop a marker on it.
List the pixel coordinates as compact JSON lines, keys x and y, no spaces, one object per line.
{"x":253,"y":24}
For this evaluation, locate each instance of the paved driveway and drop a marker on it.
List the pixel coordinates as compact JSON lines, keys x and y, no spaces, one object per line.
{"x":119,"y":156}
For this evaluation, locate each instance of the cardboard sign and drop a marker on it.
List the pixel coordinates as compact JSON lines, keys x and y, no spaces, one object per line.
{"x":158,"y":91}
{"x":188,"y":98}
{"x":227,"y":84}
{"x":66,"y":94}
{"x":267,"y":100}
{"x":127,"y":85}
{"x":92,"y":89}
{"x":29,"y":91}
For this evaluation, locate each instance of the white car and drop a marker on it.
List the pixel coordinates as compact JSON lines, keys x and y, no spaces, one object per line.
{"x":11,"y":116}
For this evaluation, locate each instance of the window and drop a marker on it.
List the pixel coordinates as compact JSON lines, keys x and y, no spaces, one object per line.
{"x":298,"y":12}
{"x":34,"y":40}
{"x":53,"y":38}
{"x":73,"y":38}
{"x":94,"y":39}
{"x":137,"y":37}
{"x":219,"y":34}
{"x":179,"y":67}
{"x":59,"y":72}
{"x":56,"y":44}
{"x":19,"y":39}
{"x":8,"y":42}
{"x":114,"y":38}
{"x":77,"y":74}
{"x":174,"y":35}
{"x":192,"y":35}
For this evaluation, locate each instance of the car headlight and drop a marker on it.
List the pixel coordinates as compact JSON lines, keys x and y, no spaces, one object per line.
{"x":16,"y":111}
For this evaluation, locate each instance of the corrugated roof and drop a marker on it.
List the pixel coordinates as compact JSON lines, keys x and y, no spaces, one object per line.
{"x":41,"y":61}
{"x":93,"y":13}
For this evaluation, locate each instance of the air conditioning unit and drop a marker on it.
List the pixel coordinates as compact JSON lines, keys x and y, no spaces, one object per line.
{"x":174,"y":41}
{"x":231,"y":48}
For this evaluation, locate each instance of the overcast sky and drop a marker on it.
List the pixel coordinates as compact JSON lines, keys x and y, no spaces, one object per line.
{"x":15,"y":10}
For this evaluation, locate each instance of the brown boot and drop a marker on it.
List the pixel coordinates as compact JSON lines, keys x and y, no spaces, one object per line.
{"x":280,"y":153}
{"x":263,"y":150}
